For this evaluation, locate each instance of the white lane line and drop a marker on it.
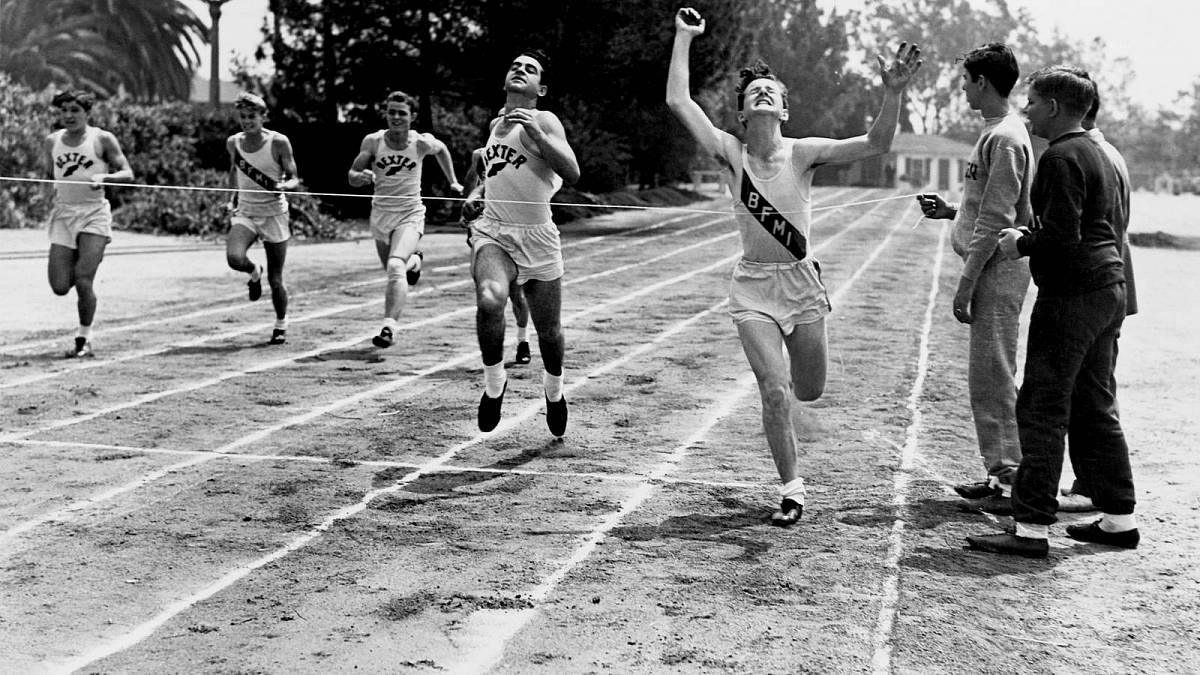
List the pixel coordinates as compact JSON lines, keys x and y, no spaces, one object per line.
{"x":488,"y":631}
{"x":386,"y":464}
{"x":374,"y":392}
{"x":335,"y":346}
{"x":320,"y":314}
{"x":147,"y":628}
{"x":881,"y":660}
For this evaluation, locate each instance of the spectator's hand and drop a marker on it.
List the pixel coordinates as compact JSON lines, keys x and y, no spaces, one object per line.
{"x":1008,"y":242}
{"x":689,"y":22}
{"x":933,"y":206}
{"x":962,"y":300}
{"x":897,"y":76}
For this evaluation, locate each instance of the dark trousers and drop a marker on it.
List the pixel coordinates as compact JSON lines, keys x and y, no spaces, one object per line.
{"x":1069,"y":381}
{"x":1078,"y":432}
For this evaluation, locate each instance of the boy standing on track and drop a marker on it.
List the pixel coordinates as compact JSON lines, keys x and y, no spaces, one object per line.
{"x":82,"y":158}
{"x":992,"y":287}
{"x":391,"y":160}
{"x":262,"y":168}
{"x":776,"y":298}
{"x":1075,"y":257}
{"x":516,"y":296}
{"x":527,"y":158}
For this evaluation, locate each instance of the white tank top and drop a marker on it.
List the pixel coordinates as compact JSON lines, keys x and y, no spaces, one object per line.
{"x":78,"y":164}
{"x":515,"y":174}
{"x":253,"y":199}
{"x":780,"y":201}
{"x":398,"y":173}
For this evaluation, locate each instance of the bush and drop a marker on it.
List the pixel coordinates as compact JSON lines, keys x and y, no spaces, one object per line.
{"x":25,"y":119}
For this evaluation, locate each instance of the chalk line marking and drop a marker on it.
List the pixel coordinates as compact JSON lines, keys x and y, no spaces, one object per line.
{"x":881,"y":660}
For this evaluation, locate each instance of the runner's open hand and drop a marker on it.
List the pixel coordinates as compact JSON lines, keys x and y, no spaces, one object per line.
{"x":908,"y":61}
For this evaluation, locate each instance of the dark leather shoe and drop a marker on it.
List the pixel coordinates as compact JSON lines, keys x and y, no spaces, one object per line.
{"x":995,"y":505}
{"x":789,"y":512}
{"x":975,"y":490}
{"x":1093,"y":534}
{"x":1010,"y":544}
{"x":489,"y":410}
{"x":556,"y":416}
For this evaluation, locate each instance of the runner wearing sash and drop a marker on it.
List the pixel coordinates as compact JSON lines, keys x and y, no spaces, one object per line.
{"x":391,"y":159}
{"x":83,"y":159}
{"x":261,"y":169}
{"x":776,"y":298}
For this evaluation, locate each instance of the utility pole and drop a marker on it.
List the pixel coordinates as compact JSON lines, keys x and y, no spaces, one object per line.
{"x":214,"y":41}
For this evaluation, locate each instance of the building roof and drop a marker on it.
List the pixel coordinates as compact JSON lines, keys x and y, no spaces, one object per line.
{"x":929,"y":145}
{"x":228,"y":90}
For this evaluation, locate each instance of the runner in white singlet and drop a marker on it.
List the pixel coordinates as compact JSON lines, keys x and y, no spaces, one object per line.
{"x":80,"y":225}
{"x":262,"y":168}
{"x":776,"y":297}
{"x":527,"y":158}
{"x":391,"y":160}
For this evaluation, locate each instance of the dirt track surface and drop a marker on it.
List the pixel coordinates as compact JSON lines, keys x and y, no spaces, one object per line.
{"x":195,"y":501}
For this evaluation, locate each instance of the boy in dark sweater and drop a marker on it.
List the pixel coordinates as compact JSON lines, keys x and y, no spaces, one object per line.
{"x":1075,"y":259}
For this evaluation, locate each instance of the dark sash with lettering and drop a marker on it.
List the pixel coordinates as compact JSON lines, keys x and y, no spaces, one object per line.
{"x":769,"y":217}
{"x":254,"y":173}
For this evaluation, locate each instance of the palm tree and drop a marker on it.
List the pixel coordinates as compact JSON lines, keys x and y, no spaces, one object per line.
{"x":150,"y":49}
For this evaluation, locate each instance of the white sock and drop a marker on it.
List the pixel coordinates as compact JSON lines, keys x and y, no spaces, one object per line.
{"x":494,"y":378}
{"x":521,"y":334}
{"x":280,"y":324}
{"x":257,"y":273}
{"x":793,"y":490}
{"x":84,"y":332}
{"x":390,"y":323}
{"x":553,"y":385}
{"x":1033,"y":531}
{"x":1123,"y":523}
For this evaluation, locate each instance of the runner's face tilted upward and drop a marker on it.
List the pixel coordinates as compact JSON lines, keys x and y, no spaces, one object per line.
{"x":764,"y":97}
{"x":399,"y":116}
{"x":72,"y":116}
{"x":525,"y":77}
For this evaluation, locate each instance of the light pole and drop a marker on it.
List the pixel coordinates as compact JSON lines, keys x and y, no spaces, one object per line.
{"x":214,"y":41}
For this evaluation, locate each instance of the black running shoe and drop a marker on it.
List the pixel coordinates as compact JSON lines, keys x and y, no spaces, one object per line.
{"x":556,"y":416}
{"x":255,"y":286}
{"x":278,"y":337}
{"x":384,"y":339}
{"x":413,"y":276}
{"x":523,"y":356}
{"x":489,"y":410}
{"x":789,"y":512}
{"x":82,"y":350}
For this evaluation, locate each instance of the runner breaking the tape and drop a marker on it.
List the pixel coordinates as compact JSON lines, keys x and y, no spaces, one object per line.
{"x":391,"y":160}
{"x":81,"y":159}
{"x":776,"y":297}
{"x":262,"y":169}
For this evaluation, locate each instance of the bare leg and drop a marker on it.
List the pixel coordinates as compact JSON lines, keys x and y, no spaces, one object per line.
{"x":89,"y":255}
{"x":545,"y":308}
{"x":763,"y":345}
{"x":396,"y":257}
{"x":276,"y":257}
{"x":237,"y":243}
{"x":494,"y":271}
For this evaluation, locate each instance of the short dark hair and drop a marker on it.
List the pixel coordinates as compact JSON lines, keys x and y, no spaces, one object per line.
{"x":85,"y":99}
{"x":542,"y":58}
{"x":1072,"y":88}
{"x":759,"y":70}
{"x":398,"y":96}
{"x":996,"y":62}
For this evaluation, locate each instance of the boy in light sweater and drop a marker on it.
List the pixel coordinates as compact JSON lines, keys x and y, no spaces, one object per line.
{"x":992,"y":287}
